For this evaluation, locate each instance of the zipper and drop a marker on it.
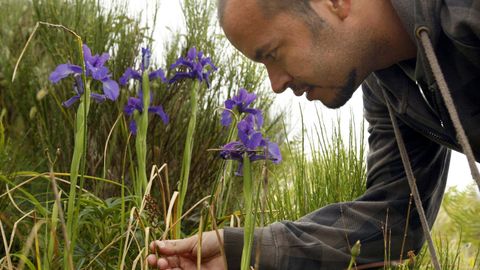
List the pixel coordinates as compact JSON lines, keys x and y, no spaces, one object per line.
{"x":434,"y":136}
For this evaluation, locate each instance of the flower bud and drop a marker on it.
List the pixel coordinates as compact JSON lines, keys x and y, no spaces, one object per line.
{"x":356,"y":249}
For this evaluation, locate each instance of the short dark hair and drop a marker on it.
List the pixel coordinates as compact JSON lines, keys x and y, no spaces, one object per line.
{"x":270,"y":8}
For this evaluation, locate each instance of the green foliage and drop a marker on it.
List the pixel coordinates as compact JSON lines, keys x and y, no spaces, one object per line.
{"x":36,"y":121}
{"x":457,"y":229}
{"x":112,"y":233}
{"x":34,"y":103}
{"x":462,"y":209}
{"x":234,"y":72}
{"x":336,"y":172}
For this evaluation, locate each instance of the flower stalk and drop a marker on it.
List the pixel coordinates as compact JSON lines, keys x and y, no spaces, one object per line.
{"x":187,"y":155}
{"x":139,"y":107}
{"x":226,"y":175}
{"x":249,"y":226}
{"x":77,"y":158}
{"x":141,"y":138}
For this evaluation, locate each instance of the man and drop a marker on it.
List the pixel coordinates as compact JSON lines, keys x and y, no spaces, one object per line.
{"x":325,"y":49}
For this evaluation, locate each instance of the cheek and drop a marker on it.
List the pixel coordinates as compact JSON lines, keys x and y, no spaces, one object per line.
{"x":301,"y":65}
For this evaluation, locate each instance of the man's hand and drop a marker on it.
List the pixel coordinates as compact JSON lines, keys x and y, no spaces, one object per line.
{"x":182,"y":254}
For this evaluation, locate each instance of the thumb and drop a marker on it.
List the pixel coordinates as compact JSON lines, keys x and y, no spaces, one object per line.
{"x":173,"y":247}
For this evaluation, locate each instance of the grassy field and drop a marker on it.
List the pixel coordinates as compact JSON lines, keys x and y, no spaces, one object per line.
{"x":110,"y":222}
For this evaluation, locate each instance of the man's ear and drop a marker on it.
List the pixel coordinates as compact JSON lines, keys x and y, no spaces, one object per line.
{"x":340,"y":8}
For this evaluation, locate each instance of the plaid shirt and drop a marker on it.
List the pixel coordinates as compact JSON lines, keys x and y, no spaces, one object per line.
{"x":321,"y":239}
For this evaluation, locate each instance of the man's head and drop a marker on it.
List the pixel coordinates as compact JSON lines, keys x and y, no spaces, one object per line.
{"x":319,"y":47}
{"x":270,"y":8}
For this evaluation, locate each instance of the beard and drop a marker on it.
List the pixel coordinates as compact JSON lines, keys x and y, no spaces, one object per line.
{"x":345,"y":92}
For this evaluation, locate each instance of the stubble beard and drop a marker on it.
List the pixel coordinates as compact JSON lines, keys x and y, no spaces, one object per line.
{"x":345,"y":92}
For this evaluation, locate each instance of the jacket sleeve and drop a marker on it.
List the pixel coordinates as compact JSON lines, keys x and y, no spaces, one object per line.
{"x":378,"y":219}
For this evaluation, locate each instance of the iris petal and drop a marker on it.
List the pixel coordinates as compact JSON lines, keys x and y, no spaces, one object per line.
{"x":111,"y":89}
{"x":158,"y":110}
{"x":63,"y":71}
{"x":133,"y":127}
{"x":98,"y":97}
{"x":68,"y":103}
{"x":195,"y":65}
{"x":87,"y":53}
{"x":129,"y":74}
{"x":100,"y":61}
{"x":226,"y":118}
{"x":157,"y":74}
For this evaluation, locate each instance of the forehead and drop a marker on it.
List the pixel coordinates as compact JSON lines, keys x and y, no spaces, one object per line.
{"x":246,"y":26}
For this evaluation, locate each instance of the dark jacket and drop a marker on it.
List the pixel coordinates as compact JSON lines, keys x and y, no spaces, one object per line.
{"x":379,"y":218}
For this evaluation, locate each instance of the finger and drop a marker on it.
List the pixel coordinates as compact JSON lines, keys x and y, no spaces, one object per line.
{"x":173,"y":261}
{"x":173,"y":247}
{"x":163,"y":263}
{"x":152,"y":260}
{"x":180,"y":262}
{"x":154,"y":245}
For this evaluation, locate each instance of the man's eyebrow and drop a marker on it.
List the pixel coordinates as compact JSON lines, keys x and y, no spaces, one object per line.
{"x":260,"y":52}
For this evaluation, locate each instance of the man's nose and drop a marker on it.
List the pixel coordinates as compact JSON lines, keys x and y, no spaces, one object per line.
{"x":279,"y":79}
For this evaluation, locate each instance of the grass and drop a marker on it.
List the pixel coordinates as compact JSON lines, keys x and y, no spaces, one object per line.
{"x":36,"y":145}
{"x":331,"y":167}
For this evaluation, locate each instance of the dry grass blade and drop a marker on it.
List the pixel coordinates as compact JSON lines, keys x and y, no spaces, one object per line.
{"x":104,"y":250}
{"x":143,"y":253}
{"x":169,"y":214}
{"x":219,"y":239}
{"x":200,"y":241}
{"x":106,"y":146}
{"x":19,"y":185}
{"x":127,"y":240}
{"x":7,"y":248}
{"x":37,"y":246}
{"x":164,"y":236}
{"x":147,"y":240}
{"x":42,"y":176}
{"x":60,"y":211}
{"x":13,"y":202}
{"x":15,"y":225}
{"x":154,"y":172}
{"x":136,"y":260}
{"x":134,"y":218}
{"x":28,"y":244}
{"x":31,"y":37}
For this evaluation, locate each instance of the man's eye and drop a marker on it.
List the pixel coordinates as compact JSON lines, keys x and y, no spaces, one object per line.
{"x":272,"y":55}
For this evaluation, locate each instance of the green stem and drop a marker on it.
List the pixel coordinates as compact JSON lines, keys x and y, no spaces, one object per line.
{"x":141,"y":139}
{"x":187,"y":156}
{"x":78,"y":156}
{"x":227,"y":172}
{"x":249,"y":227}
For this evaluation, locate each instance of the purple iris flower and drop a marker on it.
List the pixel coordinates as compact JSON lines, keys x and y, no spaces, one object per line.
{"x":240,"y":103}
{"x":252,"y":143}
{"x":192,"y":67}
{"x":95,"y":69}
{"x":136,"y":103}
{"x":137,"y":74}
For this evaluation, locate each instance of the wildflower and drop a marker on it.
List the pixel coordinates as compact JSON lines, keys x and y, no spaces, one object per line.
{"x":193,"y":67}
{"x":137,"y":74}
{"x":136,"y":103}
{"x":252,"y":143}
{"x":241,"y":103}
{"x":95,"y":69}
